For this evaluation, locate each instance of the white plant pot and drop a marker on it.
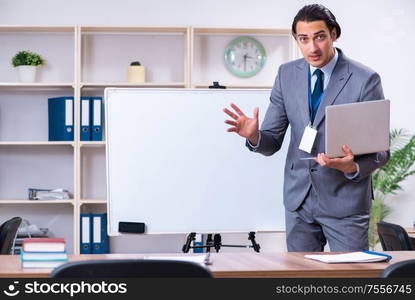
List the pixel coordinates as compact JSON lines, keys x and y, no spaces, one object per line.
{"x":136,"y":74}
{"x":27,"y":73}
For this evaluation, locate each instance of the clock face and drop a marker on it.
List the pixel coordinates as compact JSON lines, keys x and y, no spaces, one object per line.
{"x":244,"y":56}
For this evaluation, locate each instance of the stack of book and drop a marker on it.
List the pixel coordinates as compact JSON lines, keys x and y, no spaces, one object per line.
{"x":43,"y":253}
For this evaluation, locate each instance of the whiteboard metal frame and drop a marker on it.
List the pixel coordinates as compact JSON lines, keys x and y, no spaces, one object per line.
{"x":107,"y":92}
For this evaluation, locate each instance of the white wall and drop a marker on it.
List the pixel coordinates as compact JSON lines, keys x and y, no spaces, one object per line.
{"x":375,"y":32}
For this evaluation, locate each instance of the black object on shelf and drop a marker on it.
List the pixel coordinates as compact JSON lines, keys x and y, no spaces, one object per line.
{"x":216,"y":85}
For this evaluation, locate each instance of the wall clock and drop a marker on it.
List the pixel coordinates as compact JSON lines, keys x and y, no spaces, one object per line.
{"x":244,"y":56}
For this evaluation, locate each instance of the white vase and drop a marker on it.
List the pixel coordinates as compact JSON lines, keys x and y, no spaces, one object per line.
{"x":27,"y":73}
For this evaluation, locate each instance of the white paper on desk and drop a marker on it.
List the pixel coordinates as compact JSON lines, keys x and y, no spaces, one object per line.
{"x":353,"y":257}
{"x":200,"y":259}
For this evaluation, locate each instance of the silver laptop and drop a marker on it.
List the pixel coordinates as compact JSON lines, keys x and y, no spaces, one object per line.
{"x":363,"y":126}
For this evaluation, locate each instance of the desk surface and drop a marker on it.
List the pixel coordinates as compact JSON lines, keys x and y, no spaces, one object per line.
{"x":238,"y":265}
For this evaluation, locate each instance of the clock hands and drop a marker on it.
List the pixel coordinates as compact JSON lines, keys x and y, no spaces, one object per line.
{"x":246,"y":56}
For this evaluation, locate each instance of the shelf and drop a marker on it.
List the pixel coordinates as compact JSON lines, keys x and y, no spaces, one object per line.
{"x":17,"y":28}
{"x":37,"y":85}
{"x":126,"y":84}
{"x":70,"y":201}
{"x":35,"y":143}
{"x":255,"y":31}
{"x":92,"y":201}
{"x":231,"y":86}
{"x":93,"y":144}
{"x":129,"y":29}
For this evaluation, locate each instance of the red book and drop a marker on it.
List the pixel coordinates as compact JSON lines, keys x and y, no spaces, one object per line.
{"x":44,"y":245}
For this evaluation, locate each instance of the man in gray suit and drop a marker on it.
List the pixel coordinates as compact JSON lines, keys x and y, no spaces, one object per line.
{"x":326,"y":199}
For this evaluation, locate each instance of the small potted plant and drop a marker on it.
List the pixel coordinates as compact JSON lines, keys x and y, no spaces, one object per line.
{"x":136,"y":73}
{"x":26,"y":63}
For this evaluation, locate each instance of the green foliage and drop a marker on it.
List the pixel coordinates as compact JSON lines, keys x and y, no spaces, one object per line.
{"x":378,"y":213}
{"x":387,"y":180}
{"x":27,"y":58}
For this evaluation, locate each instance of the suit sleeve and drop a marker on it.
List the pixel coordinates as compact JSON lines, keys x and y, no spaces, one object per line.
{"x":275,"y":122}
{"x":371,"y":90}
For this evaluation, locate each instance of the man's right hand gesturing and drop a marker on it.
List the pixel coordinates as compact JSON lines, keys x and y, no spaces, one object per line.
{"x":244,"y":126}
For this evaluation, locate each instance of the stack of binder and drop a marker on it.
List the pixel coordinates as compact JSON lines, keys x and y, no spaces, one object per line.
{"x":43,"y":253}
{"x":61,"y":118}
{"x":91,"y":119}
{"x":94,"y":236}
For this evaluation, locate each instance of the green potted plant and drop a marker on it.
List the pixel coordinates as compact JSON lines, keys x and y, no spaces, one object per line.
{"x":386,"y":180}
{"x":26,"y":63}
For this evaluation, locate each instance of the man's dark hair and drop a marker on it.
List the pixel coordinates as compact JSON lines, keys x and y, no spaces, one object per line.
{"x":316,"y":12}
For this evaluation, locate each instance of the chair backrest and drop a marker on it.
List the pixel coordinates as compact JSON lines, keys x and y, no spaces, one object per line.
{"x":130,"y":268}
{"x":393,"y":237}
{"x":401,"y":269}
{"x":8,"y":231}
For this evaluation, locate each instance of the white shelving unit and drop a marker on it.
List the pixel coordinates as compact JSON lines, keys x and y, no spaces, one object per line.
{"x":83,"y":61}
{"x":28,"y":159}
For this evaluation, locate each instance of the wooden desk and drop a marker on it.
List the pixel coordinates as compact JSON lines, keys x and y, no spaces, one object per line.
{"x":238,"y":265}
{"x":411,"y":233}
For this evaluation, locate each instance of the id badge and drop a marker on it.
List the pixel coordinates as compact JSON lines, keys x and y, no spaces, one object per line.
{"x":308,"y":139}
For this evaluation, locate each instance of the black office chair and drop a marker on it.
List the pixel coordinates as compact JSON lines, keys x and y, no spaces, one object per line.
{"x":8,"y":232}
{"x":130,"y":268}
{"x":402,"y":269}
{"x":393,"y":237}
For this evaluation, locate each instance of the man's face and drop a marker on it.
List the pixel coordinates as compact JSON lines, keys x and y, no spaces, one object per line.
{"x":315,"y":42}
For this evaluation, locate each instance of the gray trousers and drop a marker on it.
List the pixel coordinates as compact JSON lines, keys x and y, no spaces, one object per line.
{"x":309,"y":229}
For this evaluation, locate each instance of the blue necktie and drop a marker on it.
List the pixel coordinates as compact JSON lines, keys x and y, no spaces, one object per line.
{"x":315,"y":96}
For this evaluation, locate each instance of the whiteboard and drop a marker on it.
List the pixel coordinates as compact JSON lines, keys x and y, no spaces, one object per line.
{"x":172,"y":165}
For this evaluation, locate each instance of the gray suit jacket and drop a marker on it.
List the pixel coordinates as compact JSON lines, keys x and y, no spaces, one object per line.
{"x":350,"y":82}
